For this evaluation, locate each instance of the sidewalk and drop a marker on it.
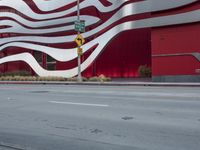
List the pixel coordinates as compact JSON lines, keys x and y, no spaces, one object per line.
{"x":114,"y":82}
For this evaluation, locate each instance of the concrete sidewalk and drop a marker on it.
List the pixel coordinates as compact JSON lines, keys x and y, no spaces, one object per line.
{"x":111,"y":83}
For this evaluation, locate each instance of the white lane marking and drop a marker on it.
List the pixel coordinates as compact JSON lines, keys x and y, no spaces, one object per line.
{"x":83,"y":104}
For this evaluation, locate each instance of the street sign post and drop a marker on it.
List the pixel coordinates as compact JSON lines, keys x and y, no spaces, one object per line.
{"x":79,"y":51}
{"x":78,"y":32}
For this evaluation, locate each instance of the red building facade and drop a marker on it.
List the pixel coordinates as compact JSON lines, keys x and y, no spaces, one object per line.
{"x":176,"y":49}
{"x":38,"y":36}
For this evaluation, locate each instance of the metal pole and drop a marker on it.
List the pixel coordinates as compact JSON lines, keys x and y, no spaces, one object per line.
{"x":79,"y":56}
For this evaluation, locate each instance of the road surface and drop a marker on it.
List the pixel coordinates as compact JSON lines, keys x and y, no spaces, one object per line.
{"x":66,"y":117}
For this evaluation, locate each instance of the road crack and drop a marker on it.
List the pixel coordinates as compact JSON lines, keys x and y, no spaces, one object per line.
{"x":11,"y":147}
{"x":127,"y":118}
{"x":96,"y":131}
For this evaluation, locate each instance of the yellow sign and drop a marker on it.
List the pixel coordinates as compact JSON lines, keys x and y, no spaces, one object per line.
{"x":80,"y":51}
{"x":79,"y":40}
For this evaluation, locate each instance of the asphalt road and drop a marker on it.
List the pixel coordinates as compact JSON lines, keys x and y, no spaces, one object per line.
{"x":64,"y":117}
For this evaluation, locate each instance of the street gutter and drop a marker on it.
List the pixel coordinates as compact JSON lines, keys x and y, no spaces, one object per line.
{"x":111,"y":83}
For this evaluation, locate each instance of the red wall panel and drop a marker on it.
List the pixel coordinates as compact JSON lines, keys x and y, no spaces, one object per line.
{"x":125,"y":54}
{"x":175,"y":65}
{"x":173,"y":46}
{"x":175,"y":40}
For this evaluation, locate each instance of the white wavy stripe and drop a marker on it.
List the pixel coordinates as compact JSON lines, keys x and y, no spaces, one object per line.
{"x":50,"y":4}
{"x":152,"y":22}
{"x":67,"y":55}
{"x":37,"y":24}
{"x":23,"y":8}
{"x":62,"y":55}
{"x":127,"y":10}
{"x":30,"y":60}
{"x":17,"y":28}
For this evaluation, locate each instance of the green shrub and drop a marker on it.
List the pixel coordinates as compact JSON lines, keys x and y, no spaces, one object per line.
{"x":144,"y":71}
{"x":103,"y":78}
{"x":30,"y":78}
{"x":92,"y":79}
{"x":73,"y":79}
{"x":16,"y":73}
{"x":100,"y":78}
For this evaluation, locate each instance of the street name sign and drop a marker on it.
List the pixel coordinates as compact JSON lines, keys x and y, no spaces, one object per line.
{"x":79,"y":26}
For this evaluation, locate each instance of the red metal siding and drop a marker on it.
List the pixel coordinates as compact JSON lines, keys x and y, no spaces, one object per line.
{"x":173,"y":46}
{"x":175,"y":40}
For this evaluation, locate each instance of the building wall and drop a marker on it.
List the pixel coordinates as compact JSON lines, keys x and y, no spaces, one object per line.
{"x":176,"y":49}
{"x":118,"y":50}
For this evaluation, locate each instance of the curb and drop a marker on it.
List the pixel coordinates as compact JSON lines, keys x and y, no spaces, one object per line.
{"x":105,"y":83}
